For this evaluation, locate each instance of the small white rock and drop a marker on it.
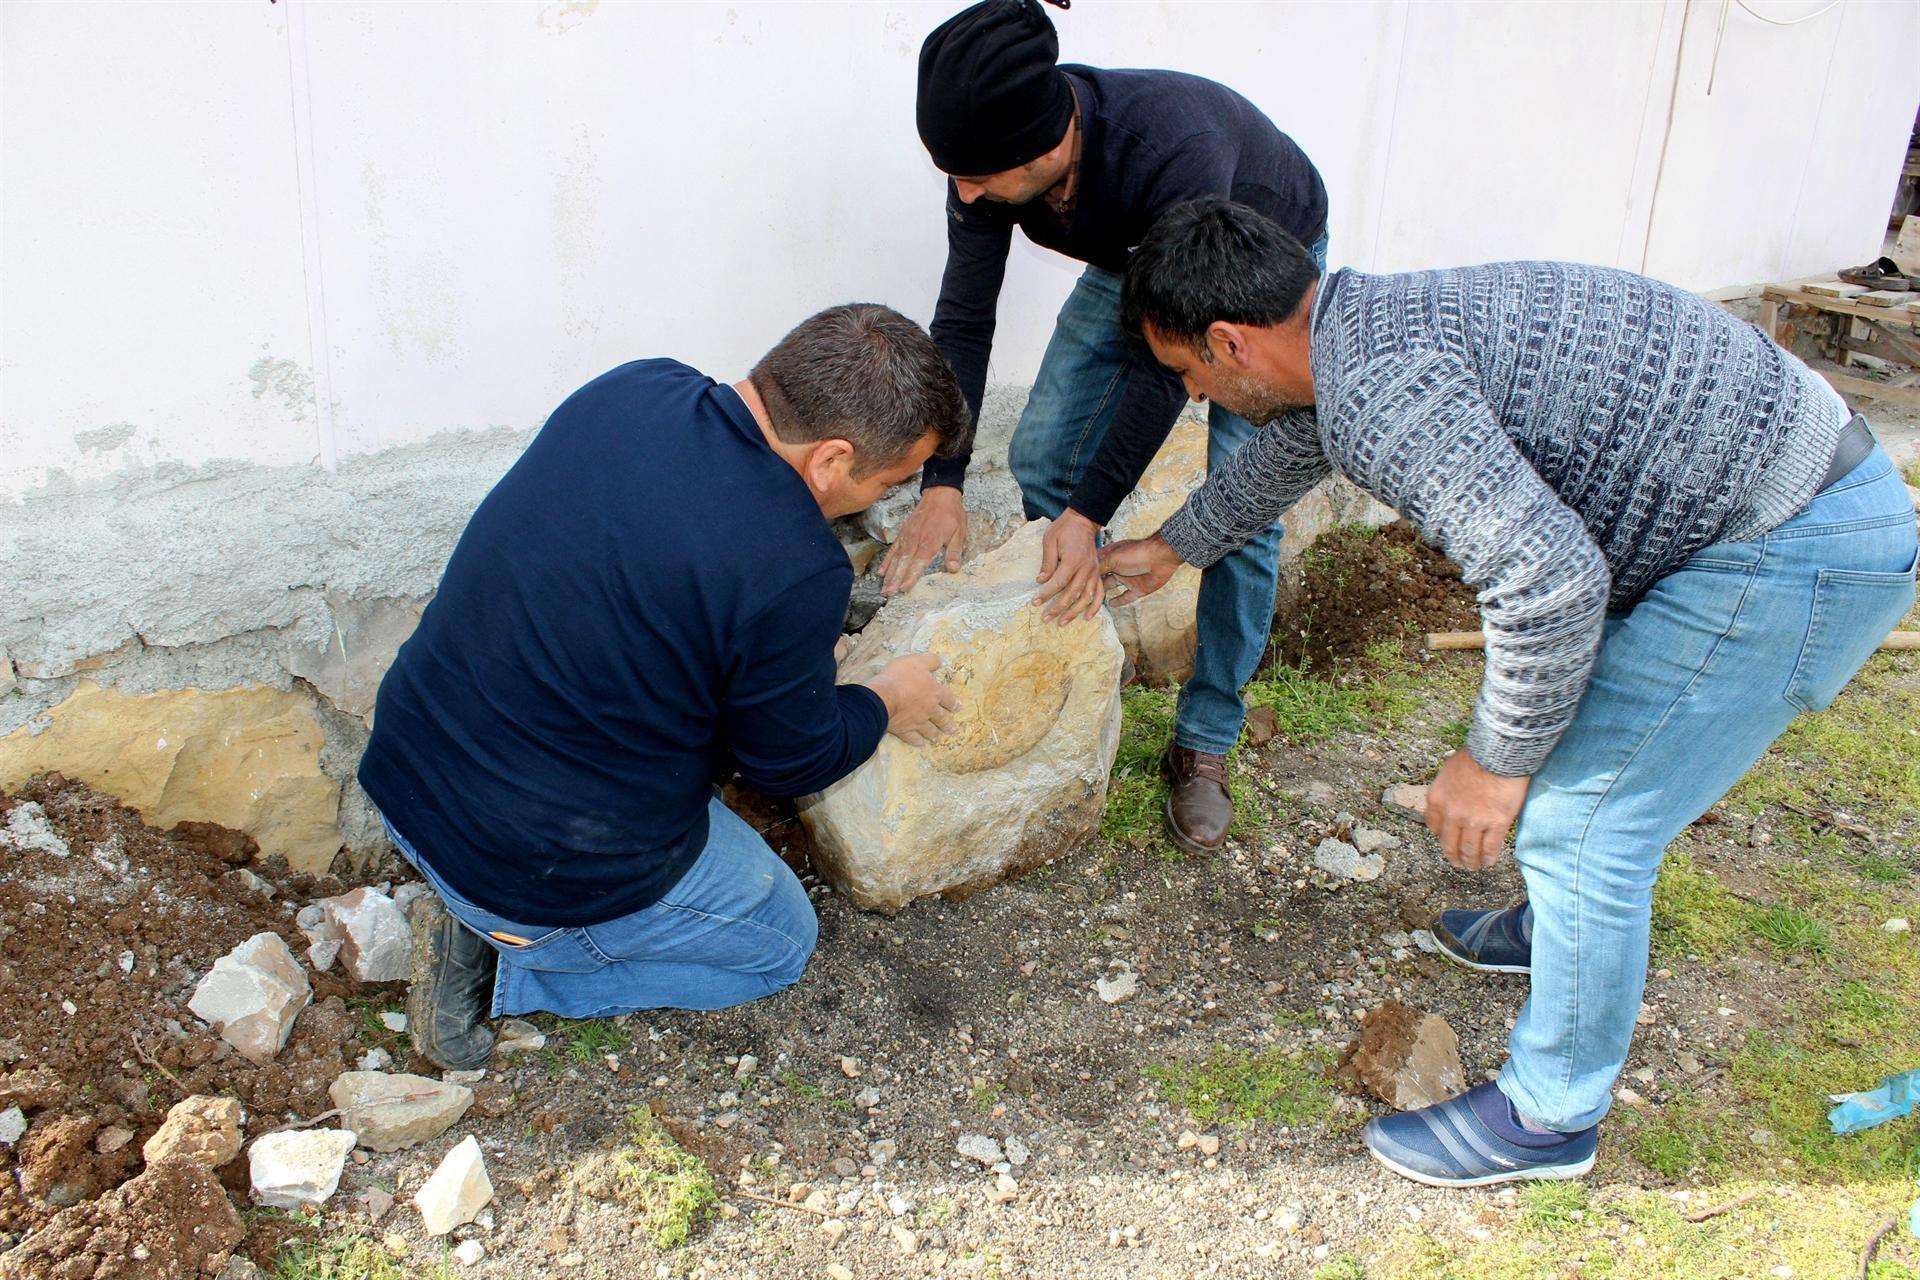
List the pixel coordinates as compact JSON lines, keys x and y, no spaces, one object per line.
{"x":469,"y":1253}
{"x":1899,"y":924}
{"x":978,"y":1146}
{"x":13,"y":1125}
{"x":1122,"y":986}
{"x":457,"y":1191}
{"x":393,"y":1020}
{"x":748,"y":1065}
{"x":1017,"y":1152}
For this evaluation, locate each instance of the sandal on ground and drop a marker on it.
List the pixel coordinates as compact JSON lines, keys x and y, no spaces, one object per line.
{"x":1881,"y":273}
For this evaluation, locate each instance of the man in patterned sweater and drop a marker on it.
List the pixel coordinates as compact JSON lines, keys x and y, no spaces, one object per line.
{"x":1680,"y":539}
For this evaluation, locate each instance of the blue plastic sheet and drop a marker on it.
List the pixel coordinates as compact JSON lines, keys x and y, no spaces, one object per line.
{"x":1896,"y":1096}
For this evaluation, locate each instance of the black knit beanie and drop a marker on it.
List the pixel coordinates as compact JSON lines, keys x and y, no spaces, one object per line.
{"x":992,"y":96}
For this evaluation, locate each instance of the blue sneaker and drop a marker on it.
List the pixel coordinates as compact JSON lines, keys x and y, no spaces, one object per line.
{"x":1491,"y":941}
{"x":1475,"y":1140}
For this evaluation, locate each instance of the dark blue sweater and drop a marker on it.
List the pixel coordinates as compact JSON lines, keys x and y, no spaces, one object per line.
{"x":649,"y":589}
{"x":1149,"y":140}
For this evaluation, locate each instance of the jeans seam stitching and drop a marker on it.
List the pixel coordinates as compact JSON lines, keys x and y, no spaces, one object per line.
{"x":714,"y":916}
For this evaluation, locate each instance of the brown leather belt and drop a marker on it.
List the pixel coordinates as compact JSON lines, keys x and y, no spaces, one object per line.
{"x":1849,"y":451}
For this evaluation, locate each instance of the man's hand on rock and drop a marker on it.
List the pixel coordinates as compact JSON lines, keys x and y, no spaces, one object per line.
{"x":1471,"y":810}
{"x":919,"y":708}
{"x":938,"y":523}
{"x":1140,"y":565}
{"x":1070,"y":569}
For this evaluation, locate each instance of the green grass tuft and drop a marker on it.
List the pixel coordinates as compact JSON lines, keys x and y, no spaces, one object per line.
{"x":345,"y":1257}
{"x":1238,"y":1088}
{"x":669,"y":1189}
{"x":1693,"y":914}
{"x":1790,"y":929}
{"x":1137,"y":791}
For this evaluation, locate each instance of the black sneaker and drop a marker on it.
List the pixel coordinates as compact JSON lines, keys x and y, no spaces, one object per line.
{"x":451,"y":991}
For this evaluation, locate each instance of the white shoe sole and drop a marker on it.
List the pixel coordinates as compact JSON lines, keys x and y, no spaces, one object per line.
{"x":1539,"y":1173}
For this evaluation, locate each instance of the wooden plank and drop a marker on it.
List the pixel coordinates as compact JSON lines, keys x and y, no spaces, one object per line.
{"x":1867,"y":389}
{"x":1906,"y":249}
{"x":1885,"y":297}
{"x":1837,"y":306}
{"x":1836,"y":289}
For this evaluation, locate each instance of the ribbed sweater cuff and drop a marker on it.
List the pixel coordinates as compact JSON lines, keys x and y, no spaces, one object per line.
{"x":1508,"y":756}
{"x":1183,"y":533}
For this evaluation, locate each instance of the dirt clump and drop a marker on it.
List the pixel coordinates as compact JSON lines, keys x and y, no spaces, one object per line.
{"x":1361,"y":586}
{"x":172,"y":1222}
{"x":106,"y":927}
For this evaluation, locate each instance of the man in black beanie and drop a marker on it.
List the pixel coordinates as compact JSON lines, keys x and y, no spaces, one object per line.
{"x":1083,"y":161}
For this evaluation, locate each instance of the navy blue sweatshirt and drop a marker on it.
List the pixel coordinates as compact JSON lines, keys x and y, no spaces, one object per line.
{"x":649,"y":591}
{"x":1149,"y":140}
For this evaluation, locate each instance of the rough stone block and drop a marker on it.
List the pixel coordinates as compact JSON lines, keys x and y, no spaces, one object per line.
{"x":366,"y":635}
{"x":389,"y":1112}
{"x":300,"y":1167}
{"x":1024,"y":776}
{"x":457,"y":1191}
{"x":1407,"y":798}
{"x":371,"y":933}
{"x":253,"y":995}
{"x":991,"y":498}
{"x":1159,"y":632}
{"x":1406,"y":1058}
{"x":205,"y":1130}
{"x":243,"y":758}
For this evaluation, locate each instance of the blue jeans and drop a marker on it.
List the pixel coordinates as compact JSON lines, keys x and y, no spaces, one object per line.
{"x":1073,"y":401}
{"x":736,"y":927}
{"x":1691,"y":686}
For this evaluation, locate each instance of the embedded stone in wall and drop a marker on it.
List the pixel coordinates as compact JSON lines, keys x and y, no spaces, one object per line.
{"x":244,"y":758}
{"x":1159,"y":632}
{"x":1023,"y":777}
{"x":365,"y":637}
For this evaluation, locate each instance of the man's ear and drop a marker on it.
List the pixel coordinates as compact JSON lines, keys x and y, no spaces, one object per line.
{"x":1229,"y":343}
{"x":827,"y":463}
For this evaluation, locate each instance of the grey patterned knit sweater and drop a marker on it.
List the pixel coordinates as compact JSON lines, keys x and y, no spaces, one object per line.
{"x":1568,"y":434}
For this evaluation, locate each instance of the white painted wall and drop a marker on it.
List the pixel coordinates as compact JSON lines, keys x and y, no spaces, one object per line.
{"x":291,"y":232}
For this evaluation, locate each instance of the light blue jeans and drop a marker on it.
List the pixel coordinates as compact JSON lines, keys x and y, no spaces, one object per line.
{"x":1074,"y":398}
{"x":1691,"y":686}
{"x":736,"y":927}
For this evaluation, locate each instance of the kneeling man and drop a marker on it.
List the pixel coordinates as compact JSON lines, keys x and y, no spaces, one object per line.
{"x":649,"y":598}
{"x":1681,"y":539}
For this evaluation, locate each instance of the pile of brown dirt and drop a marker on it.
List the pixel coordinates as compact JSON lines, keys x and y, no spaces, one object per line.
{"x":106,"y":925}
{"x":1362,"y":586}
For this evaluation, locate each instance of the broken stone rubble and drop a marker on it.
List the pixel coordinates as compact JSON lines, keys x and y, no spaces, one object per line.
{"x":299,"y":1167}
{"x":1338,"y":858}
{"x":253,"y":995}
{"x":389,"y":1112}
{"x":457,"y":1191}
{"x":205,"y":1130}
{"x":365,"y":928}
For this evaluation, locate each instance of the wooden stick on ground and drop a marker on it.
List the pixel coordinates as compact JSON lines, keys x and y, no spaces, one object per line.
{"x":1873,"y":1245}
{"x":1714,"y":1211}
{"x":1440,"y":641}
{"x":778,"y":1204}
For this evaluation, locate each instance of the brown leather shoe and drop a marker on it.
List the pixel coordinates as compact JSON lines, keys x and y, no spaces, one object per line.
{"x":1199,"y":807}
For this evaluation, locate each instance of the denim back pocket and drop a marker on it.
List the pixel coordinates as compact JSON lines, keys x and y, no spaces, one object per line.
{"x":1853,"y":610}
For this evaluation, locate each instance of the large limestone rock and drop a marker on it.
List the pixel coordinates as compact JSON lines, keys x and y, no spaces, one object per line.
{"x":252,"y":996}
{"x":1158,"y":632}
{"x":1023,"y":777}
{"x":243,"y":758}
{"x":389,"y":1112}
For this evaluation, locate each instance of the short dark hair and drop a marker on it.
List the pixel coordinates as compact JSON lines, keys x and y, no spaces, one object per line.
{"x":1209,"y":260}
{"x":866,"y":374}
